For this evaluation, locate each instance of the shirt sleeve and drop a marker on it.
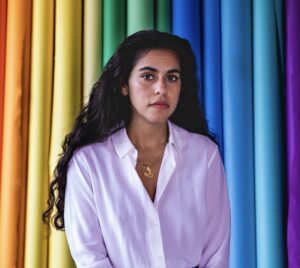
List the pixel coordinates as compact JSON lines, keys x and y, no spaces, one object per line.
{"x":82,"y":226}
{"x":217,"y":234}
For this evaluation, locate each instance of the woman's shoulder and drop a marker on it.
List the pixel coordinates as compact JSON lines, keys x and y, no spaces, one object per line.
{"x":93,"y":150}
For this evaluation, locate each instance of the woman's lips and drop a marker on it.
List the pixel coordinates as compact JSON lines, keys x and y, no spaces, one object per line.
{"x":160,"y":105}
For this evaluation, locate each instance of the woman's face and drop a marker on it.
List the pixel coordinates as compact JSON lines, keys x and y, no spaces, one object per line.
{"x":154,"y":86}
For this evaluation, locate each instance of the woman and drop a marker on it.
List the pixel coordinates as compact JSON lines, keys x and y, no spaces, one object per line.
{"x":140,"y":183}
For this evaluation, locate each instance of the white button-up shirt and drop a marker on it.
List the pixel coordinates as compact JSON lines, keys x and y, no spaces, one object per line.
{"x":110,"y":220}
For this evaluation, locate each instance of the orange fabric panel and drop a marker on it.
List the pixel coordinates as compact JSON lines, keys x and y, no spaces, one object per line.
{"x":2,"y":69}
{"x":15,"y":133}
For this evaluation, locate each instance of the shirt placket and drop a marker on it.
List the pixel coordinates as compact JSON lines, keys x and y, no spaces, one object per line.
{"x":156,"y":243}
{"x":154,"y":237}
{"x":154,"y":231}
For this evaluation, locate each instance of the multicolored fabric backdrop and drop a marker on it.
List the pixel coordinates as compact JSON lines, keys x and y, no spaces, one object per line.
{"x":248,"y":54}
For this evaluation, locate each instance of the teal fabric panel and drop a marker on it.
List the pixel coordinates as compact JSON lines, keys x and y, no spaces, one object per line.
{"x":268,"y":134}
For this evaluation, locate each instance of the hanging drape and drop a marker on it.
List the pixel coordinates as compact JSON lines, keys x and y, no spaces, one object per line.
{"x":163,"y":16}
{"x":36,"y":244}
{"x":66,"y":101}
{"x":212,"y":82}
{"x":238,"y":129}
{"x":293,"y":125}
{"x":187,"y":24}
{"x":15,"y":133}
{"x":268,"y":134}
{"x":114,"y":26}
{"x":3,"y":11}
{"x":140,"y":15}
{"x":247,"y":52}
{"x":92,"y":45}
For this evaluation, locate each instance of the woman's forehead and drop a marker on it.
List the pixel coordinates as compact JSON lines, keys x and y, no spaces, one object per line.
{"x":158,"y":57}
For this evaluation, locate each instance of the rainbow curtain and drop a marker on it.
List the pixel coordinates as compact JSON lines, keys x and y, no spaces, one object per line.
{"x":52,"y":52}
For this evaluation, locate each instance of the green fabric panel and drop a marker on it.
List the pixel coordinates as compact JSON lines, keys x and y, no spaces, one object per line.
{"x":140,"y":15}
{"x":114,"y":26}
{"x":163,"y":15}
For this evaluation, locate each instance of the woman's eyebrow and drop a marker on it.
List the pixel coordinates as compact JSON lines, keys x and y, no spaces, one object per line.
{"x":148,"y":68}
{"x":152,"y":69}
{"x":174,"y":71}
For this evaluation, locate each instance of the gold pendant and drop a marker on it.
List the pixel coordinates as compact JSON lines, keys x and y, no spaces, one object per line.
{"x":148,"y":173}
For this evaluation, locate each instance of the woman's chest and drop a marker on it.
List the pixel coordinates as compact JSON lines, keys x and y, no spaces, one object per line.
{"x":148,"y":176}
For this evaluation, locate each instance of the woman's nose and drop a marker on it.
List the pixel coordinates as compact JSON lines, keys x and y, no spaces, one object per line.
{"x":160,"y":87}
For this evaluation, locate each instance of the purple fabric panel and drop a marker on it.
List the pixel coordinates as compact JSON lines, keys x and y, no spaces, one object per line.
{"x":293,"y":129}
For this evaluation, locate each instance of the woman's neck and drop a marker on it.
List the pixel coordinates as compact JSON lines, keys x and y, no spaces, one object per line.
{"x":146,"y":136}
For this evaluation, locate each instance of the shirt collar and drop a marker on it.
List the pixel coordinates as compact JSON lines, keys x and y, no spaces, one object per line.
{"x":123,"y":145}
{"x":174,"y":137}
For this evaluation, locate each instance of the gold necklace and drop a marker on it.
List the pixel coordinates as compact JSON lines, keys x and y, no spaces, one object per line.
{"x":148,"y":172}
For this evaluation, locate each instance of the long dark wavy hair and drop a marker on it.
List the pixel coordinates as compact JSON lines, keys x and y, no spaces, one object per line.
{"x":108,"y":109}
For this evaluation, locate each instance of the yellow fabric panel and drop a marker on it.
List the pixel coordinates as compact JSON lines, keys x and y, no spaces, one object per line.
{"x":15,"y":134}
{"x":36,"y":243}
{"x":92,"y":45}
{"x":66,"y":101}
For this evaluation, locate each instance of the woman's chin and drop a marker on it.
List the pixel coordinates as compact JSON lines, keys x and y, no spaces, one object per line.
{"x":158,"y":121}
{"x":153,"y":118}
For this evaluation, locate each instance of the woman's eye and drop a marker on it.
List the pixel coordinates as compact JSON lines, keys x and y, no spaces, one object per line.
{"x":172,"y":78}
{"x":148,"y":76}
